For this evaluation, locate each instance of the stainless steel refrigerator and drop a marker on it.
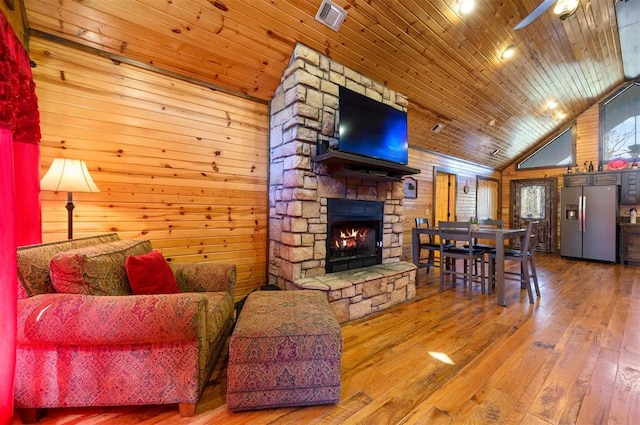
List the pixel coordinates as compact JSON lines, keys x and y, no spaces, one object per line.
{"x":589,"y":222}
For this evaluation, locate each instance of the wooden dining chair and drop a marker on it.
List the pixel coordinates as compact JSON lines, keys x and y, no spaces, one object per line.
{"x":487,"y":247}
{"x":488,"y":223}
{"x":428,"y":248}
{"x":524,"y":256}
{"x":458,"y":233}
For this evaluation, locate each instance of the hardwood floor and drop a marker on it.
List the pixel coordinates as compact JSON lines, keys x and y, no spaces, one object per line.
{"x":571,"y":358}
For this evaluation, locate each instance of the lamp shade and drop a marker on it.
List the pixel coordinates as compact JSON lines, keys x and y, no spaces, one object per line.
{"x":68,"y":175}
{"x":565,"y":8}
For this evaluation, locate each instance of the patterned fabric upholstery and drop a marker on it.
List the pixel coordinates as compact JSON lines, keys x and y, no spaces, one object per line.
{"x":85,"y":350}
{"x":96,"y":270}
{"x":219,"y":315}
{"x":285,"y":350}
{"x":33,"y":262}
{"x":208,"y":277}
{"x":123,"y":320}
{"x":22,"y":294}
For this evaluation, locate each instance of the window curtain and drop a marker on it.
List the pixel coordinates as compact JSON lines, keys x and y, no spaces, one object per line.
{"x":20,"y":220}
{"x":487,"y":199}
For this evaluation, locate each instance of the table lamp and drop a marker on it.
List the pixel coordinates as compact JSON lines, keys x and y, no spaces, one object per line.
{"x":68,"y":175}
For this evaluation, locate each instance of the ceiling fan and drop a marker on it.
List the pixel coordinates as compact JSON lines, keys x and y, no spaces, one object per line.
{"x":564,"y":9}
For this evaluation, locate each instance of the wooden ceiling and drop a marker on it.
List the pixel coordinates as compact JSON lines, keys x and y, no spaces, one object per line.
{"x":449,"y":66}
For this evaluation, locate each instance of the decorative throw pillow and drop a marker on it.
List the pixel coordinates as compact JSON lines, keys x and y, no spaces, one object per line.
{"x":151,"y":274}
{"x":96,"y":270}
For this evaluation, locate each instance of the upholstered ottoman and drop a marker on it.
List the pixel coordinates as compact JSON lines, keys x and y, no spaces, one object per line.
{"x":285,"y":350}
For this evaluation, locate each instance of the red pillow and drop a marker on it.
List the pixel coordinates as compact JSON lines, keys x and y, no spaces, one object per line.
{"x":150,"y":274}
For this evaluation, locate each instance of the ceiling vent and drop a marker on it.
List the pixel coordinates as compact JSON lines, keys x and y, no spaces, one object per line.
{"x":331,"y":14}
{"x":438,"y":127}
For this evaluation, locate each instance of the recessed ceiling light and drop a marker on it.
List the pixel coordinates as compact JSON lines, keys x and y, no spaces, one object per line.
{"x":465,"y":6}
{"x":508,"y":52}
{"x":552,"y":104}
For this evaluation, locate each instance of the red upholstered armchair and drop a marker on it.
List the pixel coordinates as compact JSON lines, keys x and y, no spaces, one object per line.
{"x":79,"y":349}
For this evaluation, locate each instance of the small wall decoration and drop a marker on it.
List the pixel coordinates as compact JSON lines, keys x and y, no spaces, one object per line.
{"x":410,"y":187}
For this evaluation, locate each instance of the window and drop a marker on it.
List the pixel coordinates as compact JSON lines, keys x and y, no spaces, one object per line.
{"x":532,"y":202}
{"x":621,"y":125}
{"x":557,"y":153}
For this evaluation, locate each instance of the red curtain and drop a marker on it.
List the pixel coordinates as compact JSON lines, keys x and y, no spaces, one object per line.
{"x":8,"y":293}
{"x":20,"y":220}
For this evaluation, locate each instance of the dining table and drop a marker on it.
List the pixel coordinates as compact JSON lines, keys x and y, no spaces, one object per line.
{"x":499,"y":235}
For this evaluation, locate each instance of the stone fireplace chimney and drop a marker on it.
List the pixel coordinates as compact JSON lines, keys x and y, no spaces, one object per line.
{"x":303,"y":114}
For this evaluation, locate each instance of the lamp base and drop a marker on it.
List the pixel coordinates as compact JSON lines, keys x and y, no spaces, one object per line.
{"x":70,"y":208}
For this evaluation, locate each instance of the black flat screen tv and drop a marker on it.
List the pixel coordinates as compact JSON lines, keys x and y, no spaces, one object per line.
{"x":371,"y":128}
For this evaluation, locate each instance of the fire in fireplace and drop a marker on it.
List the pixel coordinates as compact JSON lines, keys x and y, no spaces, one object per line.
{"x":352,"y":240}
{"x":354,"y":234}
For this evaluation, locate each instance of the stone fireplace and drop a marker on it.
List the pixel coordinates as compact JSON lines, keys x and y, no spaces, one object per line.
{"x":302,"y":189}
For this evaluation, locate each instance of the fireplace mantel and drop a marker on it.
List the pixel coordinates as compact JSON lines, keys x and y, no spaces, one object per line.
{"x":343,"y":164}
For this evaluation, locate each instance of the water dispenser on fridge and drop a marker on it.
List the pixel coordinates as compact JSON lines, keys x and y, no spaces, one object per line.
{"x":571,"y":212}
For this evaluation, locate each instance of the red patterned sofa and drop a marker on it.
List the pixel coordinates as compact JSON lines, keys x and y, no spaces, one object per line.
{"x":114,"y":348}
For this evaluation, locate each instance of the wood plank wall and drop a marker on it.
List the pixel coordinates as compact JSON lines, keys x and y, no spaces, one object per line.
{"x":15,"y":17}
{"x":587,"y":127}
{"x":187,"y":167}
{"x":422,"y":206}
{"x":177,"y":163}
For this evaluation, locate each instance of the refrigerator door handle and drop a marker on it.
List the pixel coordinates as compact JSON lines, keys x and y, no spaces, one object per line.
{"x":581,"y":217}
{"x":584,"y":213}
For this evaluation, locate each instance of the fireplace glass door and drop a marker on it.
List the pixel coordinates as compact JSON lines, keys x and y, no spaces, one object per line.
{"x":354,"y":238}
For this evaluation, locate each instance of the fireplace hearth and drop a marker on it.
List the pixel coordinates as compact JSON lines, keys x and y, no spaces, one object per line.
{"x":354,"y":234}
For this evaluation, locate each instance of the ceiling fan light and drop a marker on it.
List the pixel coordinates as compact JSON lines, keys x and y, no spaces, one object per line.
{"x":566,"y":8}
{"x":465,"y":6}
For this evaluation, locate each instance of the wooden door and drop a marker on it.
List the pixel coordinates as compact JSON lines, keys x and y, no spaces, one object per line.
{"x":444,"y":196}
{"x":536,"y":199}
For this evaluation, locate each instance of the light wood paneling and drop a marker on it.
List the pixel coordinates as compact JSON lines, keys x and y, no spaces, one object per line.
{"x":449,"y":66}
{"x":587,"y":127}
{"x":181,"y":165}
{"x":13,"y":11}
{"x":587,"y":136}
{"x":423,"y":206}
